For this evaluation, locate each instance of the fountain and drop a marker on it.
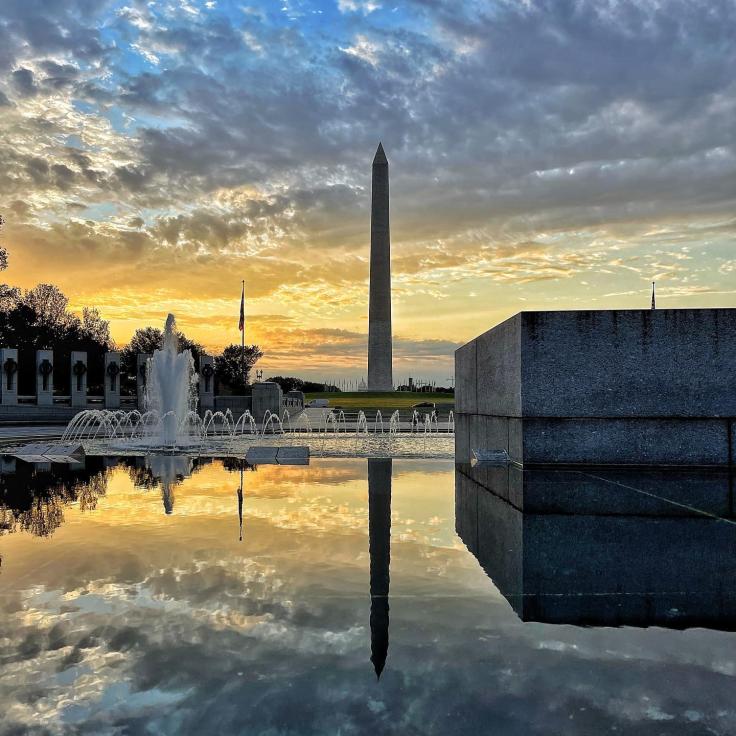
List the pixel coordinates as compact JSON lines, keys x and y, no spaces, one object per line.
{"x":169,"y":422}
{"x":169,"y":419}
{"x":170,"y":385}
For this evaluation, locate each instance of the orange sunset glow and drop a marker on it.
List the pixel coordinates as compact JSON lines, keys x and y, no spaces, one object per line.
{"x":155,"y":154}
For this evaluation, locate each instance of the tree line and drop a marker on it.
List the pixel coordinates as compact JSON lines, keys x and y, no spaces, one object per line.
{"x":40,"y":318}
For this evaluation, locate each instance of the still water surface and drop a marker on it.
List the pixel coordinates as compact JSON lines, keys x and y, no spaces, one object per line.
{"x":159,"y":599}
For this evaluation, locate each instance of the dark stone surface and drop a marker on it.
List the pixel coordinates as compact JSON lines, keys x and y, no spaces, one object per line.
{"x":466,"y":397}
{"x":498,"y":368}
{"x":534,"y":441}
{"x":615,"y":386}
{"x":609,"y":549}
{"x":629,"y":363}
{"x":626,"y":441}
{"x":613,"y":491}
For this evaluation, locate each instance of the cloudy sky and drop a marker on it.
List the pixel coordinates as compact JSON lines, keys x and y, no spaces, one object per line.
{"x":544,"y":155}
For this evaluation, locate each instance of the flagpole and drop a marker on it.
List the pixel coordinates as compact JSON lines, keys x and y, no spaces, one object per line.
{"x":242,"y":333}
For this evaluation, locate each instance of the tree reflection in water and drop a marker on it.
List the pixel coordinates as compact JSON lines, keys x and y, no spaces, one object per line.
{"x":33,"y":495}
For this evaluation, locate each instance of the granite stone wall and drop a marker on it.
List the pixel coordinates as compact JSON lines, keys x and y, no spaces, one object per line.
{"x":601,"y":387}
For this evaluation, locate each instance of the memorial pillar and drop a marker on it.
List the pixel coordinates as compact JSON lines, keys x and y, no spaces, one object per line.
{"x":78,"y":379}
{"x":45,"y":377}
{"x":206,"y":382}
{"x":9,"y":377}
{"x":112,"y":380}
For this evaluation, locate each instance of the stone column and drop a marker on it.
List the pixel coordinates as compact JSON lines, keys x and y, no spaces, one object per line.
{"x":380,"y":377}
{"x":141,"y":366}
{"x":206,"y":382}
{"x":78,"y":379}
{"x":267,"y":396}
{"x":45,"y":377}
{"x":112,"y":380}
{"x":8,"y":376}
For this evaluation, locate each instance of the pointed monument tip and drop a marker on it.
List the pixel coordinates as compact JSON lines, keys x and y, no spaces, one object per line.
{"x":378,"y":665}
{"x":380,"y":157}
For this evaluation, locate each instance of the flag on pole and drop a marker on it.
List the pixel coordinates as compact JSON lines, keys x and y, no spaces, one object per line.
{"x":241,"y":324}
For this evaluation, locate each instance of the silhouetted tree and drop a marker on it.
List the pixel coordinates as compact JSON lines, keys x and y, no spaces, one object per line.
{"x":40,"y":318}
{"x":233,"y":368}
{"x":291,"y":383}
{"x":95,"y":327}
{"x":148,"y":339}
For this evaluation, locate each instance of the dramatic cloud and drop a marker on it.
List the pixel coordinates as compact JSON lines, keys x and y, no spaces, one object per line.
{"x":543,"y":154}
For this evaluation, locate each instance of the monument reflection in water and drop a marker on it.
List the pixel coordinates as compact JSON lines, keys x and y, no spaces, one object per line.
{"x":379,"y":543}
{"x":605,"y":547}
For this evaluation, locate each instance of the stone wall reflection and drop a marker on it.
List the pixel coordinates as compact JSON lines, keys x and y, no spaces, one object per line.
{"x":604,"y":547}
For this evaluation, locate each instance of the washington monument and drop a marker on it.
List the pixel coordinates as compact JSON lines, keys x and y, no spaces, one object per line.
{"x":380,"y":376}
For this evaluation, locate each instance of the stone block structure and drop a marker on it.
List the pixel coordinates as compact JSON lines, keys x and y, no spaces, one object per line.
{"x":45,"y":377}
{"x":267,"y":396}
{"x":601,"y":387}
{"x":294,"y":400}
{"x":112,"y":380}
{"x":9,"y":376}
{"x":206,"y":382}
{"x":78,"y":379}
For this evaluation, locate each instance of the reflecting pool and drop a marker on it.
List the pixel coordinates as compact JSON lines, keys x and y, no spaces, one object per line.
{"x":171,"y":595}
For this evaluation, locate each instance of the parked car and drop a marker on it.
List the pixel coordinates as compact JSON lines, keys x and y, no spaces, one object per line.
{"x":424,"y":405}
{"x":318,"y":403}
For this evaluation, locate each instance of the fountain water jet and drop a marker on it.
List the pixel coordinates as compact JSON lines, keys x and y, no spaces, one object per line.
{"x":170,"y":385}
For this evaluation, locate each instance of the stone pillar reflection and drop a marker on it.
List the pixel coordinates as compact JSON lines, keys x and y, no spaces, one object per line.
{"x":379,"y":545}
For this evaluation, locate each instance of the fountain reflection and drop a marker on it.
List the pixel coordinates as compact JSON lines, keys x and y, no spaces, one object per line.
{"x":604,"y":547}
{"x":169,"y":471}
{"x":379,"y":544}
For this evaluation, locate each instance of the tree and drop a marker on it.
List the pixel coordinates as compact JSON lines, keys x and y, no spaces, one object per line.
{"x":50,"y":306}
{"x":291,"y":383}
{"x":148,"y":339}
{"x":40,"y":318}
{"x":288,"y":383}
{"x":233,"y":368}
{"x":95,"y":327}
